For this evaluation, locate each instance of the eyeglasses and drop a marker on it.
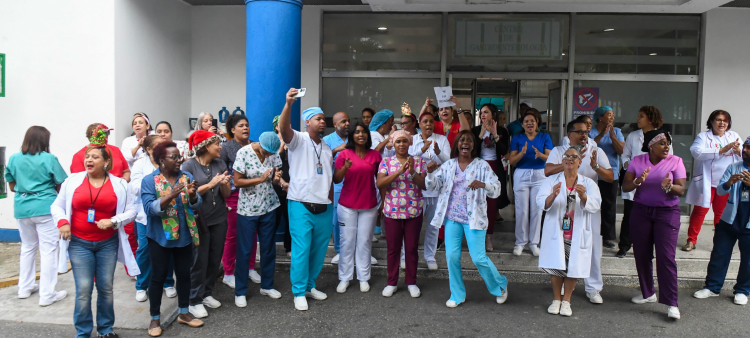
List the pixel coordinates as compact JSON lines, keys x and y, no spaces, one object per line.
{"x":174,"y":157}
{"x":720,"y":121}
{"x":404,"y":124}
{"x":570,"y":157}
{"x":579,"y":132}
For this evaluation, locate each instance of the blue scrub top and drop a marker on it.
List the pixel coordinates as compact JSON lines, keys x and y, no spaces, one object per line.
{"x":333,"y":140}
{"x":36,"y":177}
{"x":529,"y":161}
{"x":606,"y":144}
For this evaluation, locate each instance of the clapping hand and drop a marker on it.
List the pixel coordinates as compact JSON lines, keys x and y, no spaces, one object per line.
{"x":666,"y":184}
{"x":177,"y":189}
{"x":426,"y":146}
{"x":266,"y":175}
{"x":581,"y":190}
{"x":556,"y":189}
{"x":476,"y":185}
{"x":525,"y":146}
{"x":745,"y":177}
{"x":432,"y":166}
{"x":593,"y":159}
{"x":405,"y":167}
{"x":192,"y":189}
{"x":643,"y":176}
{"x":277,"y":176}
{"x":537,"y":153}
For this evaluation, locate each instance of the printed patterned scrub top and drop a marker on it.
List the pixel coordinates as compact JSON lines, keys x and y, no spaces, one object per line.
{"x":403,"y":199}
{"x":457,"y":202}
{"x":259,"y":199}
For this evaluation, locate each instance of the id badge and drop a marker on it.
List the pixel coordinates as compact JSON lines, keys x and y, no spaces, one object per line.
{"x":90,"y":217}
{"x":320,"y":169}
{"x":745,"y":196}
{"x":566,"y":223}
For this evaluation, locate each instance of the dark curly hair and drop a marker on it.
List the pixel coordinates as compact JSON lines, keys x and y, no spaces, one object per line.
{"x":160,"y":151}
{"x":715,"y":114}
{"x":353,"y":128}
{"x":653,"y":115}
{"x":474,"y":150}
{"x":232,"y":121}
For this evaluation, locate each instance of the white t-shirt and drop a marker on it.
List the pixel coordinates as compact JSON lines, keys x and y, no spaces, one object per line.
{"x":488,"y":154}
{"x":566,"y":142}
{"x":306,"y":184}
{"x":376,"y":139}
{"x":555,"y":157}
{"x":439,"y":141}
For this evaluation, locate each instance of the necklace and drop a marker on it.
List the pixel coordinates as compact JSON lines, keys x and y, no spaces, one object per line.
{"x":207,"y":171}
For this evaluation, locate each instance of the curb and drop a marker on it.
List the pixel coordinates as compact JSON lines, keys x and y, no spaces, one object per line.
{"x":14,"y":280}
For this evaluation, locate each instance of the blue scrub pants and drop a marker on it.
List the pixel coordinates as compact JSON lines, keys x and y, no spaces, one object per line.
{"x":724,"y":239}
{"x":454,"y":233}
{"x":265,"y":225}
{"x":310,"y":236}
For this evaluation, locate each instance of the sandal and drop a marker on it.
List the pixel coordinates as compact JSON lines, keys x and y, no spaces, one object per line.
{"x":192,"y":323}
{"x":155,"y":332}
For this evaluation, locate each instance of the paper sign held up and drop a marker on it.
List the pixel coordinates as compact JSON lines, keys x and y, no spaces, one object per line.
{"x":443,"y":96}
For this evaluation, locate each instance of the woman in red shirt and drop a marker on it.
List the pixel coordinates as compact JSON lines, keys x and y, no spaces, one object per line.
{"x":90,"y":211}
{"x":447,"y":125}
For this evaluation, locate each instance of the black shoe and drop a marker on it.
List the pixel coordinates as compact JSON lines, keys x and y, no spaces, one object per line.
{"x":622,"y":253}
{"x":439,"y":243}
{"x":609,"y":244}
{"x":110,"y":335}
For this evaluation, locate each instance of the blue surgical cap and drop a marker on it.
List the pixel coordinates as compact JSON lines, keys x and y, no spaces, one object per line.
{"x":310,"y":112}
{"x":601,"y":111}
{"x":270,"y":142}
{"x":380,"y":118}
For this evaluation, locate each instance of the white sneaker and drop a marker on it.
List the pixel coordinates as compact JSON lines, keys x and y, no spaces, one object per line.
{"x":673,"y":312}
{"x":229,"y":280}
{"x":554,"y":308}
{"x":270,"y":293}
{"x":518,"y":250}
{"x":254,"y":276}
{"x":451,"y":303}
{"x":211,"y":302}
{"x":300,"y":303}
{"x":240,"y":301}
{"x":705,"y":293}
{"x":198,"y":311}
{"x":141,"y":295}
{"x":534,"y":250}
{"x":170,"y":292}
{"x":402,"y":265}
{"x":315,"y":294}
{"x":432,"y":266}
{"x":503,"y":298}
{"x":335,"y":259}
{"x":740,"y":299}
{"x":373,"y":261}
{"x":640,"y":300}
{"x":374,"y":239}
{"x":364,"y":286}
{"x":389,"y":290}
{"x":413,"y":290}
{"x":59,"y":295}
{"x":595,"y":297}
{"x":565,"y":309}
{"x":24,"y":295}
{"x":343,"y":285}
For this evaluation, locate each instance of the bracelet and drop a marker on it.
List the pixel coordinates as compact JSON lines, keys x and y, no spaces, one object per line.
{"x":668,"y":188}
{"x":636,"y":184}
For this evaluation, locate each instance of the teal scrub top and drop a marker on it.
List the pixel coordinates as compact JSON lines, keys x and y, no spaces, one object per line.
{"x":36,"y":177}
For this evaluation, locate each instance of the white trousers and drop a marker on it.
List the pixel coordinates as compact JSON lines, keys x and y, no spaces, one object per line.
{"x":356,"y":227}
{"x":526,"y":183}
{"x":595,"y":281}
{"x":62,"y":261}
{"x":430,"y":232}
{"x":38,"y":232}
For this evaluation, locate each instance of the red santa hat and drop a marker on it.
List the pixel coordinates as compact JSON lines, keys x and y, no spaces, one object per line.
{"x":201,"y":138}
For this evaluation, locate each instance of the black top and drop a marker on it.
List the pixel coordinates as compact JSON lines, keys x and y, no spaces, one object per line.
{"x":229,"y":151}
{"x":214,"y":208}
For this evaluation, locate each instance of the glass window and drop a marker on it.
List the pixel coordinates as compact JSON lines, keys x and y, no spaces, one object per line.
{"x":508,"y":42}
{"x":351,"y":95}
{"x":675,"y":100}
{"x":382,"y":41}
{"x":637,"y":44}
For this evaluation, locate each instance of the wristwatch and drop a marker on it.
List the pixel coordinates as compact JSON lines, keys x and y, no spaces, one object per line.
{"x":410,"y":176}
{"x":115,"y":223}
{"x":596,"y":168}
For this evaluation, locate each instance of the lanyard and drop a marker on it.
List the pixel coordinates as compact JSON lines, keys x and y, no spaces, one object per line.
{"x":91,"y":195}
{"x":316,"y":149}
{"x":571,"y":197}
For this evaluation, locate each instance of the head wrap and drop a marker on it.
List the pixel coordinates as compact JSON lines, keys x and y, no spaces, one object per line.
{"x":143,"y":115}
{"x":310,"y":112}
{"x":380,"y":118}
{"x":600,"y":112}
{"x":425,"y":113}
{"x":100,"y":135}
{"x":200,"y":139}
{"x":653,"y":137}
{"x":276,"y":121}
{"x":398,"y":134}
{"x":270,"y":142}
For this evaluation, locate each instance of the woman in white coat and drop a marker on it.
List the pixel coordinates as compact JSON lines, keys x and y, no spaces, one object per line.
{"x":464,"y":183}
{"x":90,"y":211}
{"x":132,"y":146}
{"x":567,"y":239}
{"x":713,"y":150}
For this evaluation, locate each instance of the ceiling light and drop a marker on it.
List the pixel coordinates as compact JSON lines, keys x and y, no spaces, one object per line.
{"x":563,"y":53}
{"x":609,"y":29}
{"x":382,"y":28}
{"x":653,"y":54}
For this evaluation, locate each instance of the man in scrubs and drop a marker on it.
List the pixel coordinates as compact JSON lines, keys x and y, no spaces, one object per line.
{"x":337,"y":142}
{"x":309,"y":197}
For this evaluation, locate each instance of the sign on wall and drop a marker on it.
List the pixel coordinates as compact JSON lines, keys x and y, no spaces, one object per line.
{"x":539,"y":39}
{"x":585,"y":101}
{"x":2,"y":75}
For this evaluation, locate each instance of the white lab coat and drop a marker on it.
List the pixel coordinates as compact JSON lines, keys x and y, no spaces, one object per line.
{"x":552,"y":251}
{"x":126,"y":212}
{"x":705,"y":151}
{"x":632,"y":148}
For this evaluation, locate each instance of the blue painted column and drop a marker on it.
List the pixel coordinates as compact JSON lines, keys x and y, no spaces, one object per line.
{"x":272,"y":58}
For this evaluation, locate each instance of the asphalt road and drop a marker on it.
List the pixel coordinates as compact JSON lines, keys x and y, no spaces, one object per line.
{"x":371,"y":315}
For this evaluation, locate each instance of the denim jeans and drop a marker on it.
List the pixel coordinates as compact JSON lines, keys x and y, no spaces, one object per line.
{"x":143,"y":258}
{"x":90,"y":260}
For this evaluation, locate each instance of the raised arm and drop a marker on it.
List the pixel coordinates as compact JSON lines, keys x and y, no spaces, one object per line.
{"x":285,"y":120}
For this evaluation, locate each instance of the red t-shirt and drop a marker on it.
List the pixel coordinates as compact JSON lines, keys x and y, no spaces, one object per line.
{"x":119,"y":164}
{"x":359,"y":190}
{"x":451,"y":135}
{"x":105,"y":207}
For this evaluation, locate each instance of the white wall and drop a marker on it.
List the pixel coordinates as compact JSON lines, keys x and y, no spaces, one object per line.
{"x":152,"y":63}
{"x":218,"y":59}
{"x":726,"y":67}
{"x":59,"y":74}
